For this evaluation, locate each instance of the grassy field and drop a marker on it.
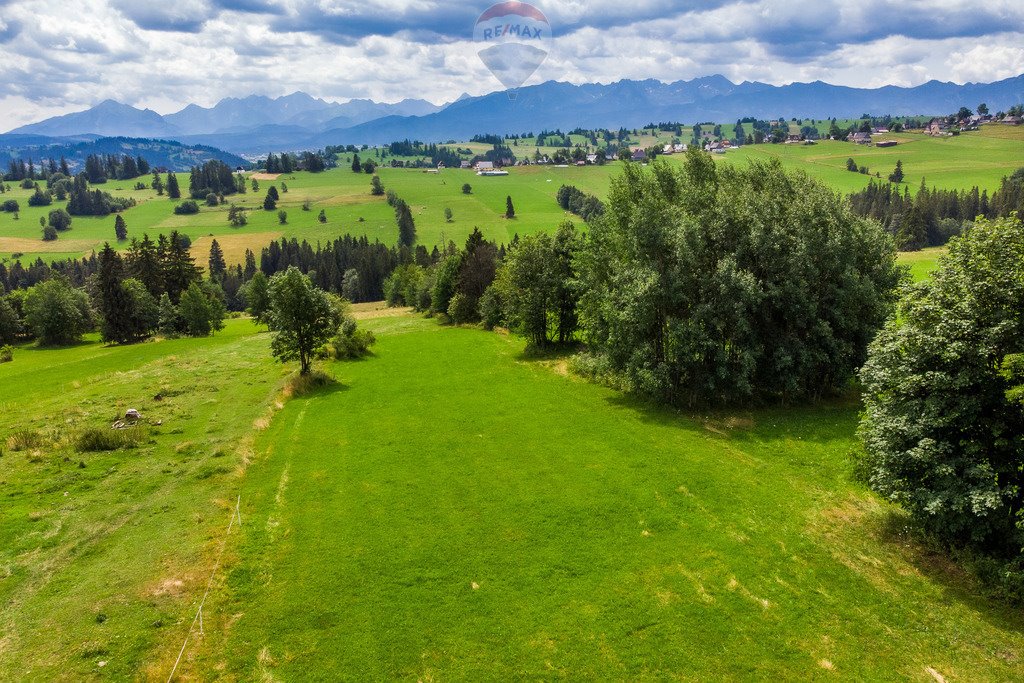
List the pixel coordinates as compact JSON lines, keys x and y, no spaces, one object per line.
{"x":486,"y":517}
{"x":102,"y":554}
{"x":981,"y":158}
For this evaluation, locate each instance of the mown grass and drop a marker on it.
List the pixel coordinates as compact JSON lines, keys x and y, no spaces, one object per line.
{"x":981,"y":158}
{"x":103,"y":548}
{"x":452,"y":509}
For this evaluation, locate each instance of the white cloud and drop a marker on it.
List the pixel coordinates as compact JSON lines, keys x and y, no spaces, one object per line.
{"x":54,"y":59}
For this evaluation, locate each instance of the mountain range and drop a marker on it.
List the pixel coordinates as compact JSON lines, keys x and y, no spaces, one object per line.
{"x":256,"y":124}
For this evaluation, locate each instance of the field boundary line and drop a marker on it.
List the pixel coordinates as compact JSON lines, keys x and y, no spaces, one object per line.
{"x":236,"y":514}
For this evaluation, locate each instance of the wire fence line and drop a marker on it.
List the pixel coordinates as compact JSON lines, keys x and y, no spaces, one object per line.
{"x":236,"y":516}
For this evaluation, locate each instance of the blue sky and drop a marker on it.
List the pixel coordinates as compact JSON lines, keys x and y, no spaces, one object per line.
{"x":57,"y":57}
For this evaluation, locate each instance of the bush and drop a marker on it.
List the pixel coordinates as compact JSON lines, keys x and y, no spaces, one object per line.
{"x":11,"y":206}
{"x":6,"y":353}
{"x":25,"y":440}
{"x":467,"y":189}
{"x":212,"y":200}
{"x":351,"y":342}
{"x":40,"y":198}
{"x":94,"y":439}
{"x":186,"y":207}
{"x":49,"y":233}
{"x":461,"y":309}
{"x":60,"y":219}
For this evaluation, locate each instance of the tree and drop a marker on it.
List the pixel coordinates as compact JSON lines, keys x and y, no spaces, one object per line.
{"x":322,"y":217}
{"x":201,"y":311}
{"x":467,"y":188}
{"x":376,"y":186}
{"x":982,"y":109}
{"x":120,"y":228}
{"x":269,"y":202}
{"x":525,"y":290}
{"x":256,"y":294}
{"x":49,"y":233}
{"x":447,"y":214}
{"x":178,"y":268}
{"x":963,"y":113}
{"x":510,"y":211}
{"x":350,"y":285}
{"x":40,"y":198}
{"x":943,"y":426}
{"x":60,"y":219}
{"x":897,"y":175}
{"x":157,"y":184}
{"x":406,"y":224}
{"x":282,"y":217}
{"x":851,"y":165}
{"x":356,"y":166}
{"x":709,"y":284}
{"x":187,"y":207}
{"x":168,"y":324}
{"x":144,"y":265}
{"x":301,"y":316}
{"x":217,"y":265}
{"x":10,"y":324}
{"x":173,"y":191}
{"x":57,"y":313}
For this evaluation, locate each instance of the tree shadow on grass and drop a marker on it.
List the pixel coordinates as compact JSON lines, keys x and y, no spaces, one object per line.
{"x":952,"y":574}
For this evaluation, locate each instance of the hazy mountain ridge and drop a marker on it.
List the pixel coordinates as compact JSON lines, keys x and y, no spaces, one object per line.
{"x":258,"y":124}
{"x":169,"y":154}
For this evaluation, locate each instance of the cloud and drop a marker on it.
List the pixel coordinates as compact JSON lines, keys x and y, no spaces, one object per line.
{"x":167,"y":55}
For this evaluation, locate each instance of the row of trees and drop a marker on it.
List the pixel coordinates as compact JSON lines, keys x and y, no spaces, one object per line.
{"x":932,"y":215}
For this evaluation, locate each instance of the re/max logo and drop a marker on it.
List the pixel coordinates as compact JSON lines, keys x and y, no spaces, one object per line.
{"x":500,"y":31}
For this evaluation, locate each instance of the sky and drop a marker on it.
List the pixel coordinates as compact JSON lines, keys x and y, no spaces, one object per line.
{"x":58,"y":56}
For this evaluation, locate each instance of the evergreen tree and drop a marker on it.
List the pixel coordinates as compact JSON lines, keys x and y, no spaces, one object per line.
{"x":269,"y":203}
{"x":406,"y":224}
{"x":157,"y":184}
{"x":510,"y":211}
{"x":120,"y":228}
{"x":356,"y":166}
{"x":173,"y":191}
{"x":178,"y":267}
{"x":376,"y":186}
{"x":217,"y":264}
{"x":897,"y":175}
{"x":144,"y":265}
{"x":169,"y":323}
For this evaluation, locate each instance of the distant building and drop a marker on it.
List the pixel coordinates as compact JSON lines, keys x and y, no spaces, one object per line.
{"x":885,"y":143}
{"x":484,"y":166}
{"x":591,"y":158}
{"x":860,"y":138}
{"x":465,"y":164}
{"x":639,"y":155}
{"x":936,"y":127}
{"x":1011,"y":121}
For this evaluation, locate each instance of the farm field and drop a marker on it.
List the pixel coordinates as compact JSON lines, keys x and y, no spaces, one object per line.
{"x":981,"y":158}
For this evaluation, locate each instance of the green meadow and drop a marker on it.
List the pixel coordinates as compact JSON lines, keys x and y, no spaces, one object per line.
{"x":489,"y":516}
{"x":981,"y":158}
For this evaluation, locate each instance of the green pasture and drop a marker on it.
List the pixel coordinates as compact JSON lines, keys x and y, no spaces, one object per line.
{"x":982,"y":158}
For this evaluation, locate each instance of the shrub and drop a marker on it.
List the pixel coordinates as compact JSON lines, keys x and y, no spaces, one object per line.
{"x":467,"y":189}
{"x":351,"y":342}
{"x":49,"y":233}
{"x":461,"y":309}
{"x":6,"y":353}
{"x":40,"y":198}
{"x":11,"y":206}
{"x":95,"y":439}
{"x":60,"y":219}
{"x":212,"y":200}
{"x":186,"y":207}
{"x":25,"y":440}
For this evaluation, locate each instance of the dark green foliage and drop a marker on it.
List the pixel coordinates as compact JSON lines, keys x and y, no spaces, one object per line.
{"x":6,"y":356}
{"x":256,"y":294}
{"x":57,"y":313}
{"x":86,"y":202}
{"x":214,"y":177}
{"x":173,"y":190}
{"x":60,"y":219}
{"x":356,"y":166}
{"x":302,"y":316}
{"x":49,"y":233}
{"x":719,"y":285}
{"x":10,"y":323}
{"x":201,"y":310}
{"x":178,"y":268}
{"x":897,"y":175}
{"x":322,"y":217}
{"x":401,"y":287}
{"x":510,"y":210}
{"x":217,"y":265}
{"x":128,"y":311}
{"x":584,"y":205}
{"x":10,"y":206}
{"x":186,"y":207}
{"x":143,"y":263}
{"x":376,"y":186}
{"x":406,"y":224}
{"x":942,"y":429}
{"x":120,"y":228}
{"x":445,"y":282}
{"x":282,"y":217}
{"x":40,"y":198}
{"x":467,"y":188}
{"x":236,"y":216}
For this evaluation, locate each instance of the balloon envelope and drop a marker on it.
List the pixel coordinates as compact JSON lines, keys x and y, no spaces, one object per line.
{"x":513,"y":63}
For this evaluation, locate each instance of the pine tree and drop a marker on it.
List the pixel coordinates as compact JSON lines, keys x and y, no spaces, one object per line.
{"x":158,"y":184}
{"x":376,"y":186}
{"x":510,"y":211}
{"x":250,"y":265}
{"x":114,"y":303}
{"x":179,"y":268}
{"x":406,"y":224}
{"x":120,"y":228}
{"x":144,"y":264}
{"x":168,"y":317}
{"x":356,"y":166}
{"x":217,"y":264}
{"x":272,"y":192}
{"x":173,"y":191}
{"x":269,"y":203}
{"x":897,"y":175}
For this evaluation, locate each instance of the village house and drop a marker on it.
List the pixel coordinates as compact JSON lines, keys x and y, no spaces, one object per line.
{"x":1011,"y":121}
{"x":639,"y":155}
{"x":484,"y":166}
{"x":860,"y":138}
{"x":465,"y":164}
{"x":591,"y":158}
{"x":936,"y":127}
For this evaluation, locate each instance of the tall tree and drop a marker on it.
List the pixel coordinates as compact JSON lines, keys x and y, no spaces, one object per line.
{"x":218,"y":266}
{"x":302,"y":318}
{"x":173,"y":191}
{"x":120,"y":228}
{"x":406,"y":224}
{"x":178,"y":268}
{"x":510,"y":211}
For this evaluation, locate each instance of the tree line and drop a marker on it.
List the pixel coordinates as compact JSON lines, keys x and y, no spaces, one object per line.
{"x":932,"y":216}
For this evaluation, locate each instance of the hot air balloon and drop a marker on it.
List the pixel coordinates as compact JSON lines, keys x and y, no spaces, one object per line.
{"x":514,"y":37}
